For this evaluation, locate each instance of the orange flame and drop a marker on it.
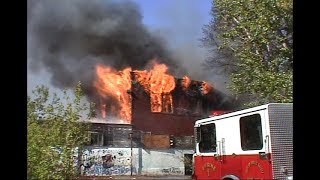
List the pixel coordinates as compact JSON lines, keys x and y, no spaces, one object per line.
{"x":205,"y":87}
{"x":116,"y":84}
{"x":159,"y":84}
{"x":185,"y":82}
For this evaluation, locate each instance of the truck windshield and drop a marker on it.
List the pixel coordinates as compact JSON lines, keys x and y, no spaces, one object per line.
{"x":207,"y":138}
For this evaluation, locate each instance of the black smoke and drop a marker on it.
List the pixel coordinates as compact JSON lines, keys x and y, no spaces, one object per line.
{"x":69,"y":38}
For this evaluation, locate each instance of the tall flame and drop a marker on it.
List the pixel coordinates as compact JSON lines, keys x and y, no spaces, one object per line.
{"x":115,"y":84}
{"x":159,"y":84}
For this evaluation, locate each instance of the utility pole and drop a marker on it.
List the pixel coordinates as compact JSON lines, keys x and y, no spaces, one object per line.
{"x":130,"y":136}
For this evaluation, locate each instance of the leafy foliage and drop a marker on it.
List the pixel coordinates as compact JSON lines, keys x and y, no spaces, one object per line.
{"x":253,"y":40}
{"x":54,"y":133}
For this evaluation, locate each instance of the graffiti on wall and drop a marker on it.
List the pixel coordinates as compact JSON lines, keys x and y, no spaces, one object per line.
{"x":172,"y":171}
{"x":107,"y":162}
{"x":97,"y":161}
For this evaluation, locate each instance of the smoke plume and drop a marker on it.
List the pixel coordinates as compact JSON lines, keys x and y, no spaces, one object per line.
{"x":68,"y":39}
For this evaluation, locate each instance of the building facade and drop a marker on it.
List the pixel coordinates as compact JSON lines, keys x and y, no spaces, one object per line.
{"x":159,"y":138}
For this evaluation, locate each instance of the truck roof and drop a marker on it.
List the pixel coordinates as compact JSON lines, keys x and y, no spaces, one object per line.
{"x":235,"y":113}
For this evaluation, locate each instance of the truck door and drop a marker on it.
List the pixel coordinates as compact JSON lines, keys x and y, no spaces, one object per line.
{"x":207,"y":165}
{"x":254,"y":145}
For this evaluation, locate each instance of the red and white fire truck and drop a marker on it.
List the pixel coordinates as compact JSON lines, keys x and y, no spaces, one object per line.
{"x":254,"y":143}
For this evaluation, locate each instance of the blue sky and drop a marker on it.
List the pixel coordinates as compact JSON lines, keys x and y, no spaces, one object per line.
{"x":152,"y":10}
{"x":181,"y":18}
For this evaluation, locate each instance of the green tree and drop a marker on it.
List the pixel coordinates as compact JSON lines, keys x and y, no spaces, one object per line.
{"x":251,"y":40}
{"x":55,"y":133}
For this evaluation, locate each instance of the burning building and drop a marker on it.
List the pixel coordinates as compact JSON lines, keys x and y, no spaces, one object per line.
{"x":145,"y":116}
{"x":155,"y":101}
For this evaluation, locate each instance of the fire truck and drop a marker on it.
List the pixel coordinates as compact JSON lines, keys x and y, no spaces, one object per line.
{"x":254,"y":143}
